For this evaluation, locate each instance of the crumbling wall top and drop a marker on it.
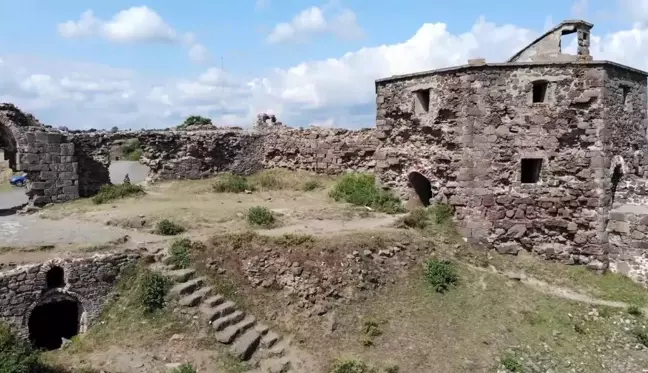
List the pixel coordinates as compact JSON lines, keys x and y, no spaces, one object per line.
{"x":548,"y":47}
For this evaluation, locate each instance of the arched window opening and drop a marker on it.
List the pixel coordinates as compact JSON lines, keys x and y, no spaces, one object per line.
{"x":421,"y":186}
{"x":55,"y":278}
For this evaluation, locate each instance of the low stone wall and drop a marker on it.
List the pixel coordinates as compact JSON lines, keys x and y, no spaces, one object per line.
{"x":627,"y":230}
{"x":86,"y":280}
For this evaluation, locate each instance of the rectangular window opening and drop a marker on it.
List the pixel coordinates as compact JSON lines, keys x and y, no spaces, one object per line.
{"x":626,"y":91}
{"x":530,"y":170}
{"x":423,"y":98}
{"x":540,"y":91}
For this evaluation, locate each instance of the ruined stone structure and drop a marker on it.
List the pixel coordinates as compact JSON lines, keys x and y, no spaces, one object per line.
{"x":544,"y":152}
{"x":58,"y":298}
{"x":533,"y":153}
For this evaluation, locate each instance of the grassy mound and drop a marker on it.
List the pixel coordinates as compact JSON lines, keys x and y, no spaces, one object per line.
{"x":361,"y":190}
{"x":111,"y":192}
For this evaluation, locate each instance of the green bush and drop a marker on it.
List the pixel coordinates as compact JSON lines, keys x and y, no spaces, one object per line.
{"x":512,"y":364}
{"x":361,"y":190}
{"x":442,"y":213}
{"x":311,"y":185}
{"x":260,"y":216}
{"x":441,"y":274}
{"x":131,"y":149}
{"x":352,"y":366}
{"x":179,"y":252}
{"x":152,"y":291}
{"x":17,"y":356}
{"x":110,"y":192}
{"x":231,"y":183}
{"x":184,"y":368}
{"x":195,"y":120}
{"x":166,"y":227}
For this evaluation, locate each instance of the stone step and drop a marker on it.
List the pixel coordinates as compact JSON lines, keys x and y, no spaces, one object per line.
{"x":277,"y":350}
{"x":196,"y":297}
{"x":214,"y":300}
{"x":180,"y":275}
{"x":213,"y":313}
{"x":275,"y":365}
{"x":185,"y":288}
{"x":269,"y":339}
{"x":231,"y":319}
{"x":230,"y":333}
{"x":246,"y":345}
{"x":262,"y":329}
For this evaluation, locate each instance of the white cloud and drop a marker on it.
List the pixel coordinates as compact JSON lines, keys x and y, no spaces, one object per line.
{"x":316,"y":20}
{"x":335,"y":91}
{"x":579,"y":8}
{"x":138,"y":24}
{"x":261,"y":4}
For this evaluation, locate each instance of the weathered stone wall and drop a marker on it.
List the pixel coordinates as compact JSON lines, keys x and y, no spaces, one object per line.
{"x":627,"y":230}
{"x":470,"y":136}
{"x":87,"y":280}
{"x":197,"y":154}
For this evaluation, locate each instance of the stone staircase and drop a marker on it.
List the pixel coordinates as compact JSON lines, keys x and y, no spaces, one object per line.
{"x":247,"y":338}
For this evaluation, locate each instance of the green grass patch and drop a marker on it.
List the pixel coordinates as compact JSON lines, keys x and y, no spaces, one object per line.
{"x":512,"y":363}
{"x":231,"y":183}
{"x":361,"y":190}
{"x":352,"y":366}
{"x":111,"y":192}
{"x":261,"y":217}
{"x":179,"y":252}
{"x":441,"y":274}
{"x":131,"y":150}
{"x":184,"y":368}
{"x":166,"y":227}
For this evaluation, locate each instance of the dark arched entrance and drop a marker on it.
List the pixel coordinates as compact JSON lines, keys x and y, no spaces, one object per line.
{"x":53,"y":319}
{"x":421,"y":186}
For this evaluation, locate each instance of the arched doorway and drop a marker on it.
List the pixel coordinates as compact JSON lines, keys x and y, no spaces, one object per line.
{"x":55,"y":317}
{"x":421,"y":186}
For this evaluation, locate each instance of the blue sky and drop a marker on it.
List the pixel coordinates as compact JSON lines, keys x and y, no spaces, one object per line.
{"x":145,"y":70}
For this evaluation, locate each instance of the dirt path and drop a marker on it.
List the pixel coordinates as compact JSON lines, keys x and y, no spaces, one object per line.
{"x":557,"y":291}
{"x":328,"y":226}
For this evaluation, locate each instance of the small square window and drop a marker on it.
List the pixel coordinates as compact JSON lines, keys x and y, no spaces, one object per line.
{"x":540,"y":91}
{"x":530,"y":170}
{"x":423,"y":99}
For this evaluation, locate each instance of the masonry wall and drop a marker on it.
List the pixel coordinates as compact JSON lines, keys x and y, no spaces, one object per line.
{"x":470,"y":142}
{"x":627,"y":229}
{"x":88,"y":280}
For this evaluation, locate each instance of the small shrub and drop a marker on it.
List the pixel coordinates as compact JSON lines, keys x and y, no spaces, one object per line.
{"x":442,"y":213}
{"x":179,"y":252}
{"x":641,"y":335}
{"x":184,"y":368}
{"x":392,"y":369}
{"x":260,"y":216}
{"x":131,"y":150}
{"x":16,"y":356}
{"x":231,"y":183}
{"x":311,"y":185}
{"x":270,"y":181}
{"x":361,"y":190}
{"x":351,"y":366}
{"x":166,"y":227}
{"x":371,"y":330}
{"x":418,"y":219}
{"x":291,"y":239}
{"x":441,"y":274}
{"x":152,"y":291}
{"x":110,"y":192}
{"x":634,"y":310}
{"x":512,"y":364}
{"x":135,"y":155}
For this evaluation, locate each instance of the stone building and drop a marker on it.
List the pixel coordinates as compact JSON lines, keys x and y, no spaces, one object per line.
{"x":533,"y":152}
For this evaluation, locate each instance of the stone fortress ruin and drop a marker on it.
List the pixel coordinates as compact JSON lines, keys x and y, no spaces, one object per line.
{"x":545,"y":152}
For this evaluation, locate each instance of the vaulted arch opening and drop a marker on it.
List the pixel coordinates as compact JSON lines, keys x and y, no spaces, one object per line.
{"x":55,"y":278}
{"x":617,"y":175}
{"x":54,"y":319}
{"x":421,"y":186}
{"x":8,"y":148}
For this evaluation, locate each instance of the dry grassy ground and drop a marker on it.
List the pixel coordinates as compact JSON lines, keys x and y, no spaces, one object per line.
{"x":533,"y":315}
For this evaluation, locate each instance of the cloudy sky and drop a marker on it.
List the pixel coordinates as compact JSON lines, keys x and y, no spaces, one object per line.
{"x":98,"y":64}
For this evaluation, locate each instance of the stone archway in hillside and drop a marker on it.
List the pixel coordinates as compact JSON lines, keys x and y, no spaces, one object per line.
{"x":58,"y":315}
{"x":8,"y":144}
